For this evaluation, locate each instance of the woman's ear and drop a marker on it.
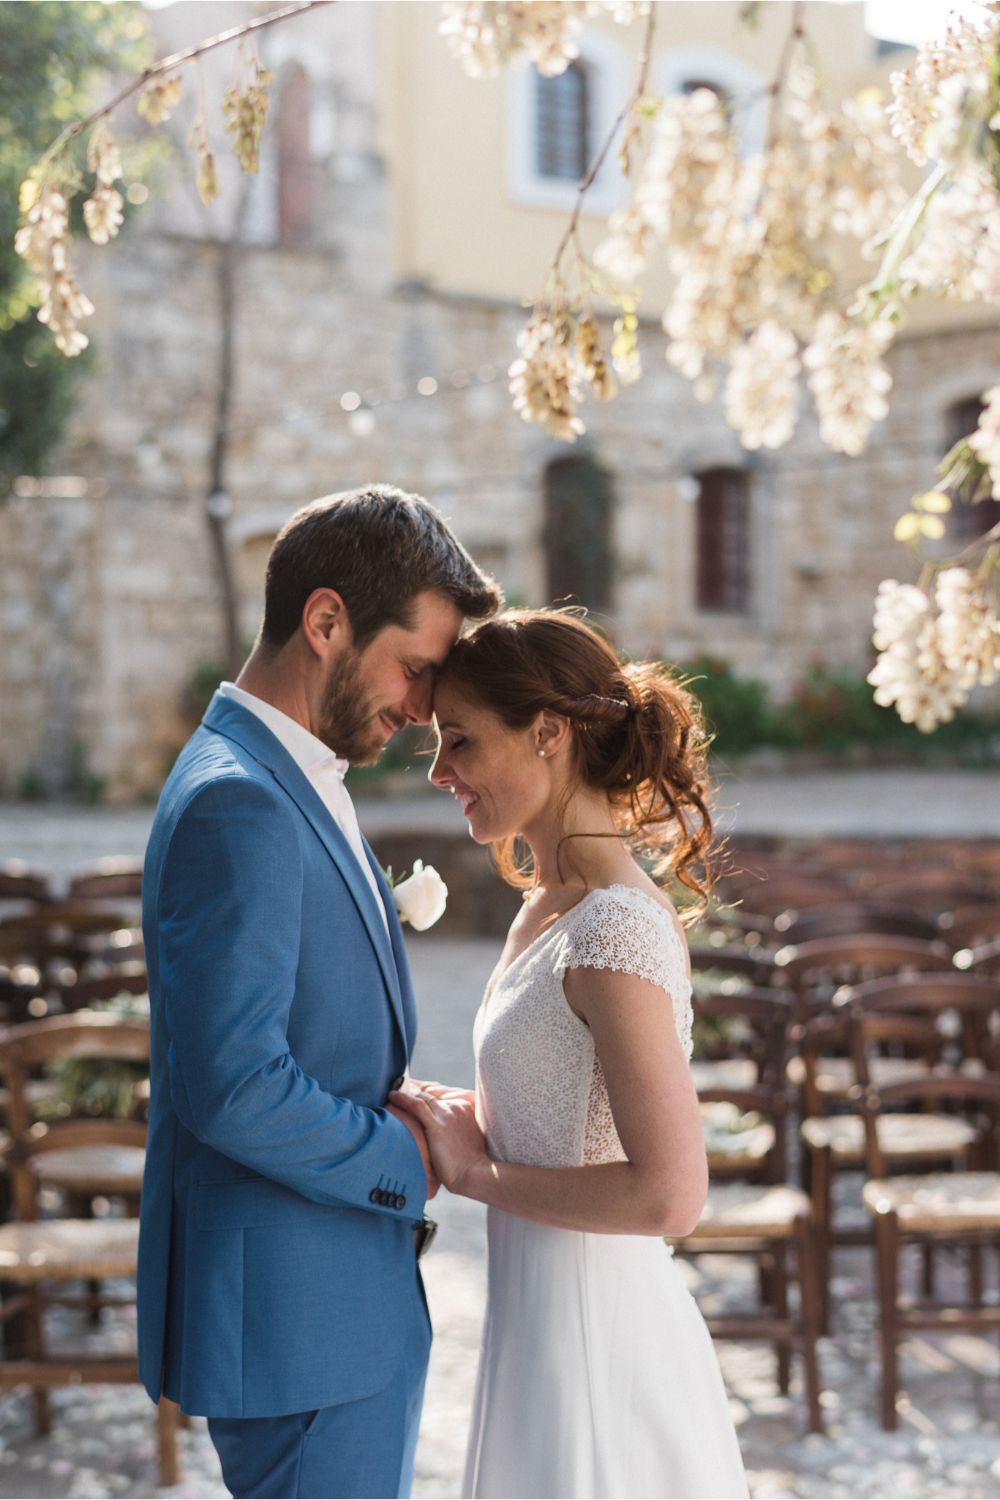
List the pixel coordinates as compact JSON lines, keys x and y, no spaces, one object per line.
{"x":549,"y":734}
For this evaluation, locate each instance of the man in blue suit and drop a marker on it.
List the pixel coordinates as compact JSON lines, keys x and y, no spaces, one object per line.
{"x":279,"y":1294}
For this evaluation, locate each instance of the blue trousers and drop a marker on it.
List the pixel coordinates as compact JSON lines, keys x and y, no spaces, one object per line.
{"x":359,"y":1450}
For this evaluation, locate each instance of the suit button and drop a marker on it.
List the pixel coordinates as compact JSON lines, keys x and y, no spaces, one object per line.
{"x":398,"y":1081}
{"x":373,"y":1196}
{"x":400,"y":1200}
{"x":383,"y":1197}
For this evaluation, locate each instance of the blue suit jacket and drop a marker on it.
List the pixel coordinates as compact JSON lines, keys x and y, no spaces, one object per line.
{"x":276,"y":1263}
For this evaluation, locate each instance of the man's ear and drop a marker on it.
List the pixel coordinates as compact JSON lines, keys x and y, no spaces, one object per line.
{"x":326,"y":625}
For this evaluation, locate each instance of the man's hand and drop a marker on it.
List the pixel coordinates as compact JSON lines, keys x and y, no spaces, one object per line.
{"x":419,"y":1135}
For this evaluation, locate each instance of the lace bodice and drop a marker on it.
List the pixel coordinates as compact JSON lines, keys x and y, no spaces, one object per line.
{"x":542,"y":1093}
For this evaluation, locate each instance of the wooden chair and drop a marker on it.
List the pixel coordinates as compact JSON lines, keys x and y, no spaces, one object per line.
{"x":739,"y":1038}
{"x":754,"y":1213}
{"x":982,"y":959}
{"x":938,"y":1208}
{"x":42,"y":1257}
{"x":848,"y":918}
{"x":835,"y":1142}
{"x":129,"y":979}
{"x":964,"y":1009}
{"x":107,"y":879}
{"x":813,"y":971}
{"x":19,"y":883}
{"x":732,"y":962}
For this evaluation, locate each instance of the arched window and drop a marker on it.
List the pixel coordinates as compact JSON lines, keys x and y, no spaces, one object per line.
{"x":743,"y":92}
{"x":723,"y":541}
{"x":297,"y":180}
{"x":562,"y":124}
{"x":579,"y":550}
{"x":968,"y":522}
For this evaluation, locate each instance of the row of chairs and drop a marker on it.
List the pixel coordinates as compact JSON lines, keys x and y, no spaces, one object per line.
{"x":45,"y":1257}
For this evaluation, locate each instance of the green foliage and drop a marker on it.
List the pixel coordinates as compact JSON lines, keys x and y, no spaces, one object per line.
{"x":738,"y":709}
{"x":104,"y":1087}
{"x":827,"y":712}
{"x":57,"y":64}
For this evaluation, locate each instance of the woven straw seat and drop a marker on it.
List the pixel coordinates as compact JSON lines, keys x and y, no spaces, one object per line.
{"x":68,"y":1248}
{"x":92,"y":1169}
{"x":835,"y":1076}
{"x":734,"y":1140}
{"x":945,"y":1201}
{"x":750,"y":1210}
{"x":901,"y":1137}
{"x":724,"y":1073}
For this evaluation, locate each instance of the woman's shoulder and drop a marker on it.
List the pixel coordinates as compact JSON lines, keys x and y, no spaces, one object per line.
{"x":611,"y":925}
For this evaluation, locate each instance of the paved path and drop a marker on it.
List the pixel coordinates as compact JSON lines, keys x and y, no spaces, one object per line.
{"x":948,"y":1444}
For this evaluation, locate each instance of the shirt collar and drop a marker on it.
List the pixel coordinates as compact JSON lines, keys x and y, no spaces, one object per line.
{"x":309,"y":753}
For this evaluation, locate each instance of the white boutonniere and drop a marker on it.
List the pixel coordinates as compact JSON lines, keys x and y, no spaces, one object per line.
{"x":421,"y":898}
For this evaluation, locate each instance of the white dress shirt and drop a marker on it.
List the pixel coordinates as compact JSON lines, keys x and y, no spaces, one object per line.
{"x":320,"y":766}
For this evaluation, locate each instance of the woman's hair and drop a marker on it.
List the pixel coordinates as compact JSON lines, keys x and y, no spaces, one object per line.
{"x":637,"y":733}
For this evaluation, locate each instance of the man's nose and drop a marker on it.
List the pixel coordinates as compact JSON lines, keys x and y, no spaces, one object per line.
{"x":419,"y":700}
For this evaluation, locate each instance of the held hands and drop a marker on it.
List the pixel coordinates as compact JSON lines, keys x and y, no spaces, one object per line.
{"x":448,"y":1119}
{"x":418,"y":1134}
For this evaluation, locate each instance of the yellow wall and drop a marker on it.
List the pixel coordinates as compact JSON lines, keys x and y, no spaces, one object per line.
{"x":455,"y":227}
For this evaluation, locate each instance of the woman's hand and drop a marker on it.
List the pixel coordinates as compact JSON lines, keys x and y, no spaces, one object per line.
{"x":448,"y":1116}
{"x":443,"y":1090}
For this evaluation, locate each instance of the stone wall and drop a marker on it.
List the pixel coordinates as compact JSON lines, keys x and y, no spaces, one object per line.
{"x":109,"y":596}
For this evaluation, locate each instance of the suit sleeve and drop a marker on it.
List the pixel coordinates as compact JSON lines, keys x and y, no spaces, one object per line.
{"x":228,"y":939}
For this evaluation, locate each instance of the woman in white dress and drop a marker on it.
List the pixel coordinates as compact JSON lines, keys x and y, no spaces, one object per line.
{"x":597,"y":1375}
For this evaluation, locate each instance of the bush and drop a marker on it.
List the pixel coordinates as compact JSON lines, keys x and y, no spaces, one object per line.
{"x":738,"y":709}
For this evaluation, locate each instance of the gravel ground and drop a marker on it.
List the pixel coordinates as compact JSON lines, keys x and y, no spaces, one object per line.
{"x":948,"y":1443}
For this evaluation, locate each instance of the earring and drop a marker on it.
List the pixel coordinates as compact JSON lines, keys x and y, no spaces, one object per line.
{"x":542,"y":754}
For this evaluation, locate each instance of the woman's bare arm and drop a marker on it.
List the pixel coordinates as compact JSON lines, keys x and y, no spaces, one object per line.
{"x":661,"y":1187}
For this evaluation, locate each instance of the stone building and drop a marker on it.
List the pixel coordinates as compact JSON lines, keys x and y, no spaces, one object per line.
{"x":402,"y":214}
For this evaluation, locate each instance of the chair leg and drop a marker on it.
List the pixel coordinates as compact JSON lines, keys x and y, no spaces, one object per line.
{"x":168,"y":1420}
{"x":782,"y":1347}
{"x":887,"y":1250}
{"x":821,"y":1195}
{"x":34,"y":1344}
{"x":809,"y":1316}
{"x":976,"y":1275}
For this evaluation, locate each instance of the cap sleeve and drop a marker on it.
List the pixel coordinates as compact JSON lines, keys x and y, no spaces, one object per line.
{"x":624,"y":929}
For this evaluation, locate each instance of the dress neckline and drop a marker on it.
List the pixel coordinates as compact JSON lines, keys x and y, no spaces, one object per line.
{"x":616,"y":885}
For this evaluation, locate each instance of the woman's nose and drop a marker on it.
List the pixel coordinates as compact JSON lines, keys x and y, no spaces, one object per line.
{"x":440,"y":772}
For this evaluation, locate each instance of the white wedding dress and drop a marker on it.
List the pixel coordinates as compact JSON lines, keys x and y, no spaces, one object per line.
{"x":597,"y":1376}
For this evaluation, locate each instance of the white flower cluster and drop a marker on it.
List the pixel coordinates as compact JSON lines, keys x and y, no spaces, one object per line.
{"x":933,"y":651}
{"x":103,"y":212}
{"x":985,"y":441}
{"x":753,"y":245}
{"x":43,"y":241}
{"x":848,"y":379}
{"x":546,"y":380}
{"x":762,"y":388}
{"x":928,"y":96}
{"x":943,"y":110}
{"x":489,"y":35}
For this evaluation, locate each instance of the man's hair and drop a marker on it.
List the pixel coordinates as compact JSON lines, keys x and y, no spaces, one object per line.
{"x":378,"y":548}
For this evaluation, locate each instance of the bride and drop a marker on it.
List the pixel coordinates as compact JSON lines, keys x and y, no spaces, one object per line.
{"x":597,"y":1376}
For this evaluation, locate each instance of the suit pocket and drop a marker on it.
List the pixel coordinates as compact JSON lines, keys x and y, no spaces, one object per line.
{"x":251,"y":1203}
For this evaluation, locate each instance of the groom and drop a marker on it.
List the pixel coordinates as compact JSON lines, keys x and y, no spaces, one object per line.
{"x":278,"y":1288}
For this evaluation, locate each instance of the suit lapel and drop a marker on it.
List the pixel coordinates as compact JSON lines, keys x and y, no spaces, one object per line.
{"x":408,"y":1007}
{"x":238,"y":723}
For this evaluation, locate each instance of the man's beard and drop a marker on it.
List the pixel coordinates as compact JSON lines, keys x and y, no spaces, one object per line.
{"x":348,"y":723}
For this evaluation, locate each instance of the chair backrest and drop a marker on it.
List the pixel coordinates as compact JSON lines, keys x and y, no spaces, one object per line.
{"x":982,"y":959}
{"x":108,"y":878}
{"x":760,"y":1021}
{"x":848,"y":918}
{"x":85,"y":1034}
{"x":19,"y":883}
{"x":813,"y":971}
{"x":773,"y":896}
{"x":61,"y":1135}
{"x":130,"y":979}
{"x":974,"y":999}
{"x":752,"y":964}
{"x":929,"y":1090}
{"x":73,"y":917}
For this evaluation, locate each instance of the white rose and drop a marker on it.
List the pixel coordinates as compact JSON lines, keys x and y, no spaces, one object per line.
{"x":421,"y":898}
